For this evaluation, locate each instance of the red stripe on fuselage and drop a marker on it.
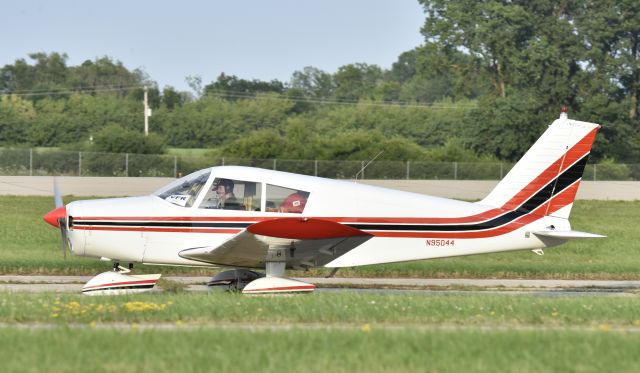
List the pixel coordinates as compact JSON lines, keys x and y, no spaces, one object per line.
{"x":557,"y":202}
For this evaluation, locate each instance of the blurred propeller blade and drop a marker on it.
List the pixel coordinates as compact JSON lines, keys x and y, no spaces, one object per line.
{"x":62,"y":222}
{"x":59,"y":216}
{"x":57,"y":197}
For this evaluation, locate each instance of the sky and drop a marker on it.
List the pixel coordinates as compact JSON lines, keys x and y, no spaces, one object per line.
{"x":252,"y":39}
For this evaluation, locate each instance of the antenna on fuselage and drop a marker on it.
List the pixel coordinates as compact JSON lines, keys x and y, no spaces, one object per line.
{"x":366,"y":165}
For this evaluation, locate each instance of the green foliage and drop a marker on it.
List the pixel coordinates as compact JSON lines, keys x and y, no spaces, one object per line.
{"x":15,"y":116}
{"x":313,"y":83}
{"x":356,"y":81}
{"x":607,"y":169}
{"x":115,"y":139}
{"x":232,"y":87}
{"x":489,"y":77}
{"x":455,"y":151}
{"x":512,"y":124}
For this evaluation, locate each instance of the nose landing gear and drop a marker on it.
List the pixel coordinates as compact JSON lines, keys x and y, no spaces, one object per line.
{"x":119,"y":281}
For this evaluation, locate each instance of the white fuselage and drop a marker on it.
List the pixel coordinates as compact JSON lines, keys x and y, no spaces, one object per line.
{"x":404,"y":226}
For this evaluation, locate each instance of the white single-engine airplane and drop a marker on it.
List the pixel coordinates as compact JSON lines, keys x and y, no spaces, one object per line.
{"x":244,"y":218}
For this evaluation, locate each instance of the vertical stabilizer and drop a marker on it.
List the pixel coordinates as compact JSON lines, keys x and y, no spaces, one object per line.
{"x":547,"y":177}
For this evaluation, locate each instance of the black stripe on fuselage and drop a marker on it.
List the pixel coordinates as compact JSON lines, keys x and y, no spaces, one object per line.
{"x":555,"y":186}
{"x":568,"y":177}
{"x":159,"y":224}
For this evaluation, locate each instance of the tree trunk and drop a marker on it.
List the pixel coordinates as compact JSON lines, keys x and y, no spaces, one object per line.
{"x":635,"y":76}
{"x":633,"y":112}
{"x":500,"y":80}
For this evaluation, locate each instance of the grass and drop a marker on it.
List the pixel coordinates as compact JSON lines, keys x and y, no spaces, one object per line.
{"x":69,"y":350}
{"x":30,"y":246}
{"x":327,"y":309}
{"x":343,"y":331}
{"x":318,"y":333}
{"x":189,"y":152}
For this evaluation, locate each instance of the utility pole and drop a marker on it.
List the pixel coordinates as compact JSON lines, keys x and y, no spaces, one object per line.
{"x":147,"y":111}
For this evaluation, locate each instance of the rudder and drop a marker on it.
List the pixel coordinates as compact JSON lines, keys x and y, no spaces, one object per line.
{"x":546,"y":178}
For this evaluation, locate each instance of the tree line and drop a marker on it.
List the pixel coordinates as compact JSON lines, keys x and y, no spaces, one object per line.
{"x":489,"y":77}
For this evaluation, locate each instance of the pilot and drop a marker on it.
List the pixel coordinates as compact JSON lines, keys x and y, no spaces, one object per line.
{"x":228,"y":201}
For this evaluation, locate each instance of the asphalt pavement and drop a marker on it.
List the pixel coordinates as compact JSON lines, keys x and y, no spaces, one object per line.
{"x":15,"y":283}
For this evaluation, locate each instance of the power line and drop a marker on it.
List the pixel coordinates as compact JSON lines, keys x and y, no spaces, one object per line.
{"x":70,"y":91}
{"x":400,"y":104}
{"x":249,"y":96}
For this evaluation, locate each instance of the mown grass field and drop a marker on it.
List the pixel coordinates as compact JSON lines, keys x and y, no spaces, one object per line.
{"x":325,"y":309}
{"x":204,"y":350}
{"x":30,"y":246}
{"x":319,"y":332}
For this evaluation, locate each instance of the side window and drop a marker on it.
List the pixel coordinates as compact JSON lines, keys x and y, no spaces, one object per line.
{"x":230,"y":194}
{"x":281,"y":199}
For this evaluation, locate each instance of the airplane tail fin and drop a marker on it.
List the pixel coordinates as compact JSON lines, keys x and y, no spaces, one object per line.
{"x":546,"y":179}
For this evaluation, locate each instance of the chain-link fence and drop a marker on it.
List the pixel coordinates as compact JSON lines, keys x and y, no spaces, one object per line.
{"x":20,"y":162}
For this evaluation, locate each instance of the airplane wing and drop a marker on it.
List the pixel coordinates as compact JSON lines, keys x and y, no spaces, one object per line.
{"x":311,"y":242}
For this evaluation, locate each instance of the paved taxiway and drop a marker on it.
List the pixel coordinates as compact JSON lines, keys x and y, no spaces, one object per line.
{"x":136,"y":186}
{"x":74,"y":284}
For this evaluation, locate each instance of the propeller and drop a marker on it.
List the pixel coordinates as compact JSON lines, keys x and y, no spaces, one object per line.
{"x":58,"y":217}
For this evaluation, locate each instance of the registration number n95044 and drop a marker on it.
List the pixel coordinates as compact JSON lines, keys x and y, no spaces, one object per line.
{"x":434,"y":242}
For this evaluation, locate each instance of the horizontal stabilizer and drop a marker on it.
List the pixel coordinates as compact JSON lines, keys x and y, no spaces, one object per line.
{"x":568,"y":235}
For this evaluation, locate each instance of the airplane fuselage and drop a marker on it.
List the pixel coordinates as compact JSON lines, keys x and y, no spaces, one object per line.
{"x":403,"y":226}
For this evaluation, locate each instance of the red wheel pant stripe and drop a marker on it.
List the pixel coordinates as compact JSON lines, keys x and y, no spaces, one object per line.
{"x":302,"y":287}
{"x":141,"y":282}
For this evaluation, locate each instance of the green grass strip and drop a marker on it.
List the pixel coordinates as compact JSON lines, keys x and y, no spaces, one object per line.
{"x":344,"y":308}
{"x":86,"y":350}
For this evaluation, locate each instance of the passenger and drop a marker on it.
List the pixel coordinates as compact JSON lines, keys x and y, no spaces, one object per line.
{"x":295,"y":202}
{"x":227,"y":200}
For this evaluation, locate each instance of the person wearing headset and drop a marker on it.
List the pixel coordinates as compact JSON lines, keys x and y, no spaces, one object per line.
{"x":227,"y":200}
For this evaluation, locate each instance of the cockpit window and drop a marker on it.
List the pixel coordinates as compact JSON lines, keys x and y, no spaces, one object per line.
{"x":232,"y":194}
{"x":281,"y":199}
{"x":183,"y":192}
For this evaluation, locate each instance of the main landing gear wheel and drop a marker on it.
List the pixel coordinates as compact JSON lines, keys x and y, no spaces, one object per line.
{"x":233,"y":280}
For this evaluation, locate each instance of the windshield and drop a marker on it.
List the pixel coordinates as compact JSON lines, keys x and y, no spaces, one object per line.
{"x":183,"y":192}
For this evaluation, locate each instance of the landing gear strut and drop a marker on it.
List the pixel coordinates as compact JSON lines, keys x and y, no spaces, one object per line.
{"x":118,"y":268}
